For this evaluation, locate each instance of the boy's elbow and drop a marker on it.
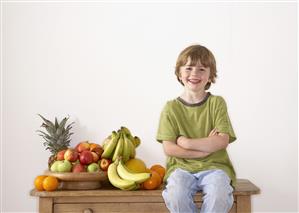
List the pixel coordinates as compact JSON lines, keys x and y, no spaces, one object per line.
{"x":225,"y":144}
{"x":224,"y":140}
{"x":168,"y":148}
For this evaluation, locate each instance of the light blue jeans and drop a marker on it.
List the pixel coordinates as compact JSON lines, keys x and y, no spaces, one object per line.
{"x":182,"y":185}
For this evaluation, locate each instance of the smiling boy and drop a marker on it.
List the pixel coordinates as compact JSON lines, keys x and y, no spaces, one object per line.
{"x":195,"y":130}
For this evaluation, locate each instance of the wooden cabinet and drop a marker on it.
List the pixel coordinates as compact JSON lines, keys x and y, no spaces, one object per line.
{"x":109,"y":199}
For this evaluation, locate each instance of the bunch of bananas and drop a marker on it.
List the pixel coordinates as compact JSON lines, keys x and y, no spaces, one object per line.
{"x":120,"y":177}
{"x":120,"y":143}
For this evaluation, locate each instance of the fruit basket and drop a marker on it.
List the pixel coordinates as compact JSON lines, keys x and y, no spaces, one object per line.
{"x":79,"y":181}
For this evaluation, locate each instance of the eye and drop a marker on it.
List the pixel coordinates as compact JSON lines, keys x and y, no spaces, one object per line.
{"x":188,"y":68}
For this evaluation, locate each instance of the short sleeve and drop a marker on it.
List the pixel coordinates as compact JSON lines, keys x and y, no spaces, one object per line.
{"x":222,"y":120}
{"x":167,"y":130}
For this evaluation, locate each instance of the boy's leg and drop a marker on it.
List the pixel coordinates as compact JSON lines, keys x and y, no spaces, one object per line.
{"x":179,"y":192}
{"x":217,"y":191}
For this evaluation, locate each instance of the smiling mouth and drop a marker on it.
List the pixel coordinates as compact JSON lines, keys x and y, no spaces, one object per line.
{"x":193,"y":81}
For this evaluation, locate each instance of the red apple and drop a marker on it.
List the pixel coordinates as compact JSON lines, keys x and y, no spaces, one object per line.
{"x":60,"y":155}
{"x":71,"y":155}
{"x":104,"y":164}
{"x":78,"y":168}
{"x":86,"y":157}
{"x":97,"y":148}
{"x":95,"y":157}
{"x":82,"y":146}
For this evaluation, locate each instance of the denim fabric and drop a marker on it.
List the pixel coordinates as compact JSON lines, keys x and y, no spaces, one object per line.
{"x":182,"y":185}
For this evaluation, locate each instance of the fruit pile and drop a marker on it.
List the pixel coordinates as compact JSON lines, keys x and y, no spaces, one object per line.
{"x":85,"y":157}
{"x":117,"y":156}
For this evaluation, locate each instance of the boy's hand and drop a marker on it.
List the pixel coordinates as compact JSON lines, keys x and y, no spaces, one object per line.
{"x":181,"y":140}
{"x":214,"y":132}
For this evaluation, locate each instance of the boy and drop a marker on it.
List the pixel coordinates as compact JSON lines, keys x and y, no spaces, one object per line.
{"x":195,"y":130}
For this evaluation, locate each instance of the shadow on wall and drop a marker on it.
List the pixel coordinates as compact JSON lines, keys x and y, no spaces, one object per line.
{"x":83,"y":133}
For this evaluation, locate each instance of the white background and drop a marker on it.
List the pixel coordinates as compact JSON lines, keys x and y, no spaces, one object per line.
{"x":112,"y":64}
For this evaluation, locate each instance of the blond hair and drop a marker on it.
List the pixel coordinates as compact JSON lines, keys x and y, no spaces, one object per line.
{"x":197,"y":53}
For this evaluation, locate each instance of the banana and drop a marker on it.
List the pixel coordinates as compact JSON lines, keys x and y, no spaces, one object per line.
{"x":125,"y":174}
{"x":133,"y":150}
{"x":127,"y":150}
{"x":110,"y":146}
{"x":125,"y":130}
{"x":131,"y":147}
{"x":136,"y":141}
{"x":134,"y":187}
{"x":119,"y":148}
{"x":116,"y":181}
{"x":106,"y":141}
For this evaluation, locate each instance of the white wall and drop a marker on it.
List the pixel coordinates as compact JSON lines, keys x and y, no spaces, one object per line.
{"x":111,"y":64}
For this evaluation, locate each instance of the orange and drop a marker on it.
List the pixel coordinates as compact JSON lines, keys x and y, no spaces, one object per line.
{"x":153,"y":182}
{"x":38,"y":182}
{"x":50,"y":183}
{"x":136,"y":165}
{"x":159,"y":169}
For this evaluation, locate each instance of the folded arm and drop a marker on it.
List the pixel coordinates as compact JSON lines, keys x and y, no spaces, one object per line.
{"x":174,"y":150}
{"x":214,"y":142}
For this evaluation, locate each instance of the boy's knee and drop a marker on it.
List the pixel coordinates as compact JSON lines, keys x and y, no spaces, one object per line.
{"x":179,"y":199}
{"x":176,"y":194}
{"x":220,"y":196}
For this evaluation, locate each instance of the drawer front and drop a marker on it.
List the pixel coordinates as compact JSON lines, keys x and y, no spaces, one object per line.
{"x":110,"y":207}
{"x":116,"y":207}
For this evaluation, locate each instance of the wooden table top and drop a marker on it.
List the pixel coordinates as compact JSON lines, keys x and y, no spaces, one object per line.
{"x":243,"y":187}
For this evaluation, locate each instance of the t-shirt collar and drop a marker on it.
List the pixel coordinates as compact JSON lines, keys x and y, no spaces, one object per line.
{"x":195,"y":104}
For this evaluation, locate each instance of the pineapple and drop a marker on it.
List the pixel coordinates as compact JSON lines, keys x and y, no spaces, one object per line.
{"x":57,"y":137}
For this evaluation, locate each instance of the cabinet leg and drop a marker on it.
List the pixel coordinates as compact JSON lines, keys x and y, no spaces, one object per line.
{"x":243,"y":204}
{"x":45,"y":205}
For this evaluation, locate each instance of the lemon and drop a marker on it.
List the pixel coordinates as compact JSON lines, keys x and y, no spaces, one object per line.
{"x":136,"y":165}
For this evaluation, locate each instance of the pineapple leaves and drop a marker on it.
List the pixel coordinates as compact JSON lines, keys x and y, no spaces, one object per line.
{"x":47,"y":122}
{"x":56,"y":137}
{"x":56,"y":123}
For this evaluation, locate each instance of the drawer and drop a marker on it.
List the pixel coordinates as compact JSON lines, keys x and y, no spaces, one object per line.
{"x":116,"y":207}
{"x":110,"y":207}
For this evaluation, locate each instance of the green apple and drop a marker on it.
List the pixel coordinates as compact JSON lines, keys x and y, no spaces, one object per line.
{"x":64,"y":166}
{"x":93,"y":167}
{"x":54,"y":167}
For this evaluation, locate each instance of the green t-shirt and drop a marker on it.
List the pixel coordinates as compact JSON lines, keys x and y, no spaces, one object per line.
{"x":196,"y":121}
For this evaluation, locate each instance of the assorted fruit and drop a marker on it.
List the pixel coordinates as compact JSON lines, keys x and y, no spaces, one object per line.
{"x":85,"y":157}
{"x":116,"y":156}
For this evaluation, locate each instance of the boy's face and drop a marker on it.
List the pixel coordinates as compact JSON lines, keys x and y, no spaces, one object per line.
{"x":195,"y":77}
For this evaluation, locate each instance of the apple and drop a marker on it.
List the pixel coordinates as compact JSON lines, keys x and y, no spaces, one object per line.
{"x":86,"y":157}
{"x":54,"y":166}
{"x":64,"y":166}
{"x":104,"y":164}
{"x":97,"y":148}
{"x":93,"y":167}
{"x":82,"y":146}
{"x":78,"y":167}
{"x":95,"y":157}
{"x":71,"y":155}
{"x":60,"y":155}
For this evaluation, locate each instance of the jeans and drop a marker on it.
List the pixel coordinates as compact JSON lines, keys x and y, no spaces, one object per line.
{"x":182,"y":185}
